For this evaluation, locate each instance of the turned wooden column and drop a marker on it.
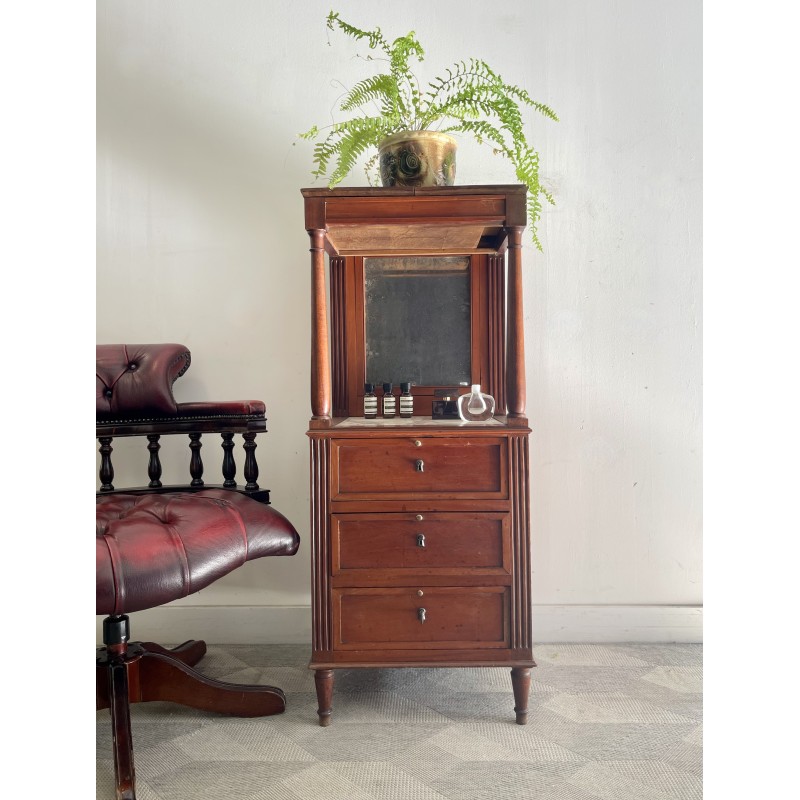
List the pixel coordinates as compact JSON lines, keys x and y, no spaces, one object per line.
{"x":320,"y":360}
{"x":515,"y":347}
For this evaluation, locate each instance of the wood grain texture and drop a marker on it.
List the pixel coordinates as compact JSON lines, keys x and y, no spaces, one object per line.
{"x":386,"y":547}
{"x":420,"y":618}
{"x":320,"y":361}
{"x":448,"y":467}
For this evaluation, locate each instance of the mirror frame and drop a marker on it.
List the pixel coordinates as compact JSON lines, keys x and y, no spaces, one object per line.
{"x":356,"y":344}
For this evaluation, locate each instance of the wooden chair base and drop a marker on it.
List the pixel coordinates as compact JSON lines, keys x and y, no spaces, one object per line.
{"x":142,"y":672}
{"x":156,"y":673}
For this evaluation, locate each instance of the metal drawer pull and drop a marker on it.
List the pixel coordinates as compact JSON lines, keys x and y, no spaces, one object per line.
{"x":417,"y":443}
{"x":420,"y":465}
{"x":419,"y":518}
{"x":421,"y":614}
{"x":420,"y":540}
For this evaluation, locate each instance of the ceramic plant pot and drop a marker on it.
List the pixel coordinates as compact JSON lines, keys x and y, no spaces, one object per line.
{"x":418,"y":158}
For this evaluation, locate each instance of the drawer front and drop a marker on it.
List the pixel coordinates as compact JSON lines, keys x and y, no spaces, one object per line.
{"x":384,"y":545}
{"x":421,"y":618}
{"x":363,"y":469}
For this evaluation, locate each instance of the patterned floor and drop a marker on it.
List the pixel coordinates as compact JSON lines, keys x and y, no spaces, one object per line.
{"x":615,"y":722}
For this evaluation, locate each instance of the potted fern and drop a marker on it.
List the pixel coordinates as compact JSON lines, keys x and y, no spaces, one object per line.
{"x":408,"y":127}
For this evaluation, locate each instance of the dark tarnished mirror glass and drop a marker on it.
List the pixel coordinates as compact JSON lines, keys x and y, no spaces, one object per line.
{"x":417,"y":324}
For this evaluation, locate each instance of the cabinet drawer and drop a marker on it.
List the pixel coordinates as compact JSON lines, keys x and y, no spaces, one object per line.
{"x":363,"y":469}
{"x":383,"y":545}
{"x":454,"y":617}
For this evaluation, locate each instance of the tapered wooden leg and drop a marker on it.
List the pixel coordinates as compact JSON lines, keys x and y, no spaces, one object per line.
{"x":323,"y":678}
{"x":161,"y":677}
{"x":121,"y":730}
{"x":521,"y":681}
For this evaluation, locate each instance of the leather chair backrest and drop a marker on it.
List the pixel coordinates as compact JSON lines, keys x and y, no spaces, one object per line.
{"x":135,"y":381}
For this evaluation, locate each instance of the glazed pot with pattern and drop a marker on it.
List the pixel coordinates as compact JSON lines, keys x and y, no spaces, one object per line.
{"x":418,"y":158}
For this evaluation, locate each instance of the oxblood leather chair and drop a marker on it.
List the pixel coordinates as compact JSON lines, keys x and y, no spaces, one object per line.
{"x":157,"y":543}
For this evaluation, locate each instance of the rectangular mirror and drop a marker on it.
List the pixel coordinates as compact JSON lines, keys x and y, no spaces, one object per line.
{"x":417,"y":320}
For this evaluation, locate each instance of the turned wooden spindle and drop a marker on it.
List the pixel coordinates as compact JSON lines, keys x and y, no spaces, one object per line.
{"x":228,"y":463}
{"x":106,"y":467}
{"x":154,"y":465}
{"x":250,"y":465}
{"x":196,"y":461}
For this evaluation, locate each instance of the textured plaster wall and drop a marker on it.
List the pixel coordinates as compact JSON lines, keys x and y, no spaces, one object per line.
{"x":201,"y":241}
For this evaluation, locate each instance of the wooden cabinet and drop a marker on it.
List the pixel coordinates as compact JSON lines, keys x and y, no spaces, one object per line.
{"x":420,"y":527}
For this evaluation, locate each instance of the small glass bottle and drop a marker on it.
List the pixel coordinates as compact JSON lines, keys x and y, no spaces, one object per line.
{"x":475,"y":406}
{"x":389,"y":401}
{"x":370,"y":401}
{"x":406,"y":401}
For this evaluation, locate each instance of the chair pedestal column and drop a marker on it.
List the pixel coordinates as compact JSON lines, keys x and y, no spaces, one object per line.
{"x":142,"y":672}
{"x":115,"y":663}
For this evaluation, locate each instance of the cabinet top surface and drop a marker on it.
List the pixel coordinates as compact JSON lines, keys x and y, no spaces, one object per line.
{"x":418,"y":191}
{"x":420,"y":426}
{"x":416,"y":422}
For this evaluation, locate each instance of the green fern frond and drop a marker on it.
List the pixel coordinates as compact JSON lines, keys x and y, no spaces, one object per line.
{"x":379,"y":87}
{"x":346,"y":141}
{"x":371,"y":170}
{"x":402,"y":49}
{"x":311,"y":133}
{"x":351,"y":146}
{"x":468,"y":97}
{"x":375,"y":36}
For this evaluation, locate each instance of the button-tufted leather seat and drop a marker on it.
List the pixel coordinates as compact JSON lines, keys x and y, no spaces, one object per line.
{"x":157,"y":544}
{"x":153,"y":549}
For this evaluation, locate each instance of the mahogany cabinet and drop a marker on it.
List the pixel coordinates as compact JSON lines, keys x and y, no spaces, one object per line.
{"x":420,"y":526}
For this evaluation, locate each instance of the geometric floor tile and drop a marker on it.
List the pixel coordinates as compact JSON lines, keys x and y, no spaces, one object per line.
{"x":591,"y":707}
{"x":605,"y":722}
{"x":679,"y":679}
{"x":695,"y":736}
{"x":636,"y":780}
{"x":586,"y":655}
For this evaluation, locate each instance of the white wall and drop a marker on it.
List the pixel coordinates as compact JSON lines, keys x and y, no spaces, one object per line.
{"x":201,"y":241}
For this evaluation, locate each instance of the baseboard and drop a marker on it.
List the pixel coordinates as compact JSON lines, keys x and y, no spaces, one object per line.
{"x":292,"y":624}
{"x":618,"y":624}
